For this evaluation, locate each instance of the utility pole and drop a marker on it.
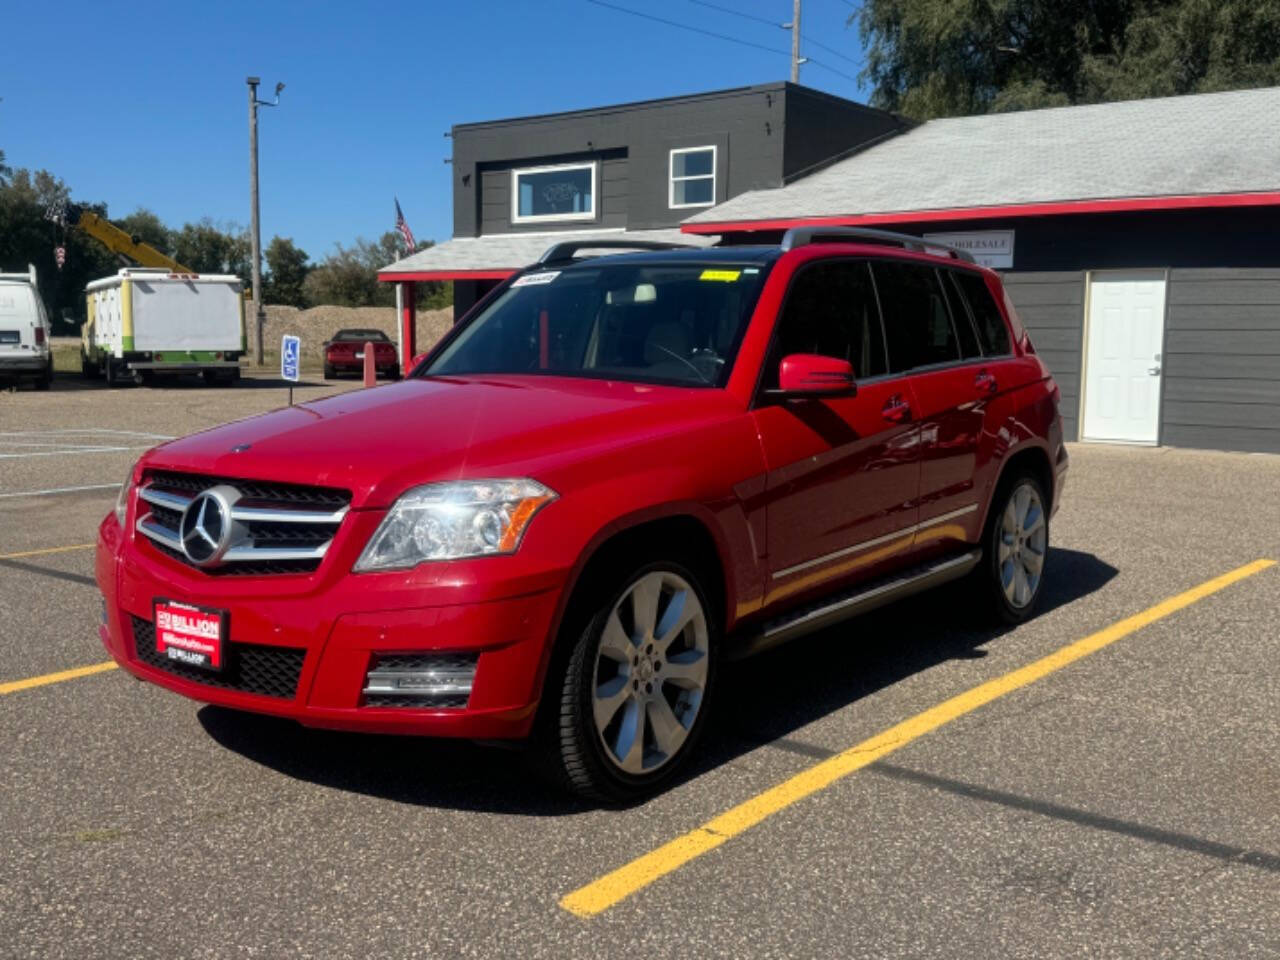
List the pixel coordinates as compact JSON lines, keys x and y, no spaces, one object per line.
{"x":795,"y":42}
{"x":260,"y":314}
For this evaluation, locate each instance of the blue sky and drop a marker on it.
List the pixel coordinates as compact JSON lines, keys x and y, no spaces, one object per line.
{"x":145,"y":105}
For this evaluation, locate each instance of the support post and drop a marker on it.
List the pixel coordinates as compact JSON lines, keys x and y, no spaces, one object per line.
{"x":408,"y":324}
{"x":399,"y":325}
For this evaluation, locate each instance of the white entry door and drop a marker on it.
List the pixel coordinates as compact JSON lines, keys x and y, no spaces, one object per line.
{"x":1123,"y":356}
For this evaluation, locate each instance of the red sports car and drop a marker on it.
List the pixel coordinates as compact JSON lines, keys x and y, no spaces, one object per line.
{"x":344,"y":353}
{"x":613,"y":472}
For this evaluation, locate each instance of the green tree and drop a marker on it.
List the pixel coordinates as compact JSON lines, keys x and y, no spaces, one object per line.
{"x":207,"y":247}
{"x":287,"y":272}
{"x":935,"y":58}
{"x":349,"y":276}
{"x":27,"y":237}
{"x":145,"y":226}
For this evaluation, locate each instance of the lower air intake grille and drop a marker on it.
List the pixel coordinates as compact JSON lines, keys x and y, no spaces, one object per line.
{"x":251,"y":668}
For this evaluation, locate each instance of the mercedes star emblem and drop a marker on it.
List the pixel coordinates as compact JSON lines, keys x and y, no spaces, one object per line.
{"x":206,"y":528}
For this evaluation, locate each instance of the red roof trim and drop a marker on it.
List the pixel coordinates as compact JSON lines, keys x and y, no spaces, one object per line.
{"x":1118,"y":205}
{"x":396,"y":277}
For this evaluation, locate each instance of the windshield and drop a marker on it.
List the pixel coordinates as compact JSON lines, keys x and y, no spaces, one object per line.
{"x":652,"y":322}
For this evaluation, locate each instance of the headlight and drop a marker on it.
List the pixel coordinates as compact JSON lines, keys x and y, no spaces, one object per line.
{"x":122,"y":501}
{"x":449,"y":521}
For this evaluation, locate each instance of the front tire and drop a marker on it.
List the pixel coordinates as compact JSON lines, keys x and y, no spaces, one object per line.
{"x":1016,"y":548}
{"x":630,"y":700}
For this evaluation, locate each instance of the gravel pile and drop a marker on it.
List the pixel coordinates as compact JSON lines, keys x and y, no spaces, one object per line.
{"x":316,"y":324}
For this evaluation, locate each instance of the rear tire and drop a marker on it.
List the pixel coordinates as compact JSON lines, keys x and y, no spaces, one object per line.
{"x":45,"y":380}
{"x":628,"y":702}
{"x":1015,"y":547}
{"x":88,"y":369}
{"x":329,"y":372}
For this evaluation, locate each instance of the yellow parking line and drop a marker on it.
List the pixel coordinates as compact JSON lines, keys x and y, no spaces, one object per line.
{"x":601,"y":894}
{"x":13,"y":686}
{"x":39,"y":553}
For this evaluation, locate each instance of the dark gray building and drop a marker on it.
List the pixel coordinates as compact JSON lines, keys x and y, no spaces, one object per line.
{"x":632,"y":171}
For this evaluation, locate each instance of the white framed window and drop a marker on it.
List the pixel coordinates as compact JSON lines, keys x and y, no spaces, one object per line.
{"x":565,"y":191}
{"x":693,"y":177}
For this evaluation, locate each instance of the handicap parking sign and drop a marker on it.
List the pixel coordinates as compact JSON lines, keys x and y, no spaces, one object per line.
{"x":290,"y":350}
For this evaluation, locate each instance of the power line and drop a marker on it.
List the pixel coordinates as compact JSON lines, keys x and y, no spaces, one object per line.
{"x":717,"y":36}
{"x":685,"y":26}
{"x":774,"y":23}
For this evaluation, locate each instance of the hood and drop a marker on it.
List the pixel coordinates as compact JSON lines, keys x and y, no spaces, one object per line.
{"x":380,"y":441}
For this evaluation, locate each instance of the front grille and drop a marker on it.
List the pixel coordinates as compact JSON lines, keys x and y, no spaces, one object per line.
{"x":443,"y":680}
{"x":279,"y":528}
{"x":256,"y":490}
{"x":250,"y":667}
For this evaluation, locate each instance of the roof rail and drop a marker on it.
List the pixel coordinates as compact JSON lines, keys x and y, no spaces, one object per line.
{"x":563,"y":252}
{"x":803,"y":236}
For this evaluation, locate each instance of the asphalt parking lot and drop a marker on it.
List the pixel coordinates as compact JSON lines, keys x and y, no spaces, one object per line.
{"x":1122,"y":800}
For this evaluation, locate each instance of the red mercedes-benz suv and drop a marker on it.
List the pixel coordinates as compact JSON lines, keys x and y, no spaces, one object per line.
{"x":615,"y":471}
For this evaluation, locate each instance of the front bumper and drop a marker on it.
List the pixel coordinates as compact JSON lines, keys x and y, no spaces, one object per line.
{"x":337,"y":623}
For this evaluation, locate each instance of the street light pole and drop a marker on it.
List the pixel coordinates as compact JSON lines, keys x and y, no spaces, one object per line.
{"x":260,"y":314}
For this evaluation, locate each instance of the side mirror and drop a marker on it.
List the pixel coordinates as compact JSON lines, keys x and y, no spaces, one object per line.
{"x":417,"y":360}
{"x":813,"y":375}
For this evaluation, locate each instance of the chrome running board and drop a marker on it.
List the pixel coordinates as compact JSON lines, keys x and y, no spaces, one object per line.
{"x":865,"y":597}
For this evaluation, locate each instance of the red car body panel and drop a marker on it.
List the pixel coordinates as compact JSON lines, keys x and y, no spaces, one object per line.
{"x":769,"y":482}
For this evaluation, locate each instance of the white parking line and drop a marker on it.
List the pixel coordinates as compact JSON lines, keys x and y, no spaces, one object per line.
{"x":54,"y":490}
{"x":63,"y":453}
{"x":65,"y":431}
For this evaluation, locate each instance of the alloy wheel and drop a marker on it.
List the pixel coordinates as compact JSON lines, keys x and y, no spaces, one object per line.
{"x":1022,"y":544}
{"x":650,"y":672}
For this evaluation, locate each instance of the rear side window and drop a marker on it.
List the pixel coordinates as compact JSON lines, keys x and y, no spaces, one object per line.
{"x":969,"y":347}
{"x":831,"y":310}
{"x":917,"y":323}
{"x":992,"y":331}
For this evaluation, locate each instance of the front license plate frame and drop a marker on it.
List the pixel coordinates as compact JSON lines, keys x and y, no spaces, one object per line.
{"x":184,"y":635}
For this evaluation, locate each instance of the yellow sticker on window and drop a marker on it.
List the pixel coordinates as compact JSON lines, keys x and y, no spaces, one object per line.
{"x":724,"y":276}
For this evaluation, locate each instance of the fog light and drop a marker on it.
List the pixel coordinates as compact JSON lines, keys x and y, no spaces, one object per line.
{"x":420,"y":680}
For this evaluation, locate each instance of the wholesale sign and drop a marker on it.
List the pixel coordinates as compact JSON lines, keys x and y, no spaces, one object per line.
{"x":990,"y":248}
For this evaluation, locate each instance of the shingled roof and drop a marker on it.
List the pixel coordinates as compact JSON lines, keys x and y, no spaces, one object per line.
{"x":498,"y":255}
{"x":1190,"y":148}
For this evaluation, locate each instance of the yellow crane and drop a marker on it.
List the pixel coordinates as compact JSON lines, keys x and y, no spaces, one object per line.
{"x":113,"y":238}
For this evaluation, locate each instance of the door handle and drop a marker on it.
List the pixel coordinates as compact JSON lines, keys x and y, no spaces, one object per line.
{"x":1154,"y":371}
{"x":896,"y":410}
{"x":985,"y":381}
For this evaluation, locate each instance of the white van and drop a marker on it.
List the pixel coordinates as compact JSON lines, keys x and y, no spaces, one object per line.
{"x":25,"y":351}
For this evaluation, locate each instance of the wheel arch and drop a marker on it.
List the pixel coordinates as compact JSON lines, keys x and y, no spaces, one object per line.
{"x":1030,"y":458}
{"x":702,"y":548}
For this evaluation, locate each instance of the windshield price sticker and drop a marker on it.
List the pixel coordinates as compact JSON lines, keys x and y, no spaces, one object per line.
{"x":724,"y":276}
{"x":535,"y":279}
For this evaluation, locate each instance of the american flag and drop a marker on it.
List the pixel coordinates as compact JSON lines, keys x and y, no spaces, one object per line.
{"x":405,"y":232}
